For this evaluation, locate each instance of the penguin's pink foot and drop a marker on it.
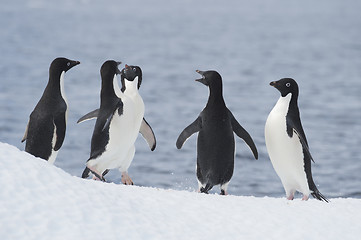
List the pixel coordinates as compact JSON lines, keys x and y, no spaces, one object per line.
{"x":305,"y":198}
{"x":126,"y":179}
{"x":290,"y":197}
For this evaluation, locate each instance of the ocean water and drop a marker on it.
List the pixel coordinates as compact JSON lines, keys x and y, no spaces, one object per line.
{"x":250,"y":43}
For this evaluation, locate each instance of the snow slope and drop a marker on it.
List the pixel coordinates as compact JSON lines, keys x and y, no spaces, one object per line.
{"x":41,"y":201}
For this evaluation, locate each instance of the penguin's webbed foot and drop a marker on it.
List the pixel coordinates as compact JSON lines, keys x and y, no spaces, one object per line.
{"x":203,"y":190}
{"x":305,"y":198}
{"x":126,"y":180}
{"x":223,"y":192}
{"x":290,"y":197}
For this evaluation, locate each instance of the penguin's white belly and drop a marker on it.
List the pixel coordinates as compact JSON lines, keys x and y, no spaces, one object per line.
{"x":123,"y":132}
{"x":286,"y":153}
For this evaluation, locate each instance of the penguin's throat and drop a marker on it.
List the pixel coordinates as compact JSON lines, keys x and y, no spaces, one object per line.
{"x":62,"y":89}
{"x":116,"y":87}
{"x":283,"y":103}
{"x":131,"y":87}
{"x":215,"y":96}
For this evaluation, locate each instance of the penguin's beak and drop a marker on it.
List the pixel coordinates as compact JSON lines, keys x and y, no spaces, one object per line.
{"x":200,"y":72}
{"x":203,"y":79}
{"x":273,"y":84}
{"x":74,"y":63}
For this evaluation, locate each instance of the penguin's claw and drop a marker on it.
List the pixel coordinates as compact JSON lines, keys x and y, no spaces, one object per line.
{"x":126,"y":180}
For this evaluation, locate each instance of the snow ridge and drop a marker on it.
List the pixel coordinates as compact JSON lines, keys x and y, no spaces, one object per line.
{"x":41,"y":201}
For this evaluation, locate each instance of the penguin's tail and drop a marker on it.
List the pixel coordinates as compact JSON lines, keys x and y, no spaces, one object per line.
{"x":316,"y":194}
{"x":85,"y":173}
{"x":206,"y":188}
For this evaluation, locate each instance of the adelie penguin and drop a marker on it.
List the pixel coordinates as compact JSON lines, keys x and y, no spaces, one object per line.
{"x":119,"y":120}
{"x":215,"y":143}
{"x":145,"y":129}
{"x":46,"y":128}
{"x":287,"y":144}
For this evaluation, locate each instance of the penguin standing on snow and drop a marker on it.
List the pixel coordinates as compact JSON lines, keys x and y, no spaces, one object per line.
{"x":119,"y":120}
{"x":215,"y":143}
{"x":287,"y":144}
{"x":145,"y":129}
{"x":45,"y":131}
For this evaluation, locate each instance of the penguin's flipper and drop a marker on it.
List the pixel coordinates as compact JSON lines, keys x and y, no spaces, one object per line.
{"x":107,"y":123}
{"x":242,"y":133}
{"x":60,"y":124}
{"x":292,"y":128}
{"x":148,"y":134}
{"x":26,"y":132}
{"x":188,"y":131}
{"x":89,"y":116}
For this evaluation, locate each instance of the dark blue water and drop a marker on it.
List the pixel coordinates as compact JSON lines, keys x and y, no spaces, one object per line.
{"x":250,"y":43}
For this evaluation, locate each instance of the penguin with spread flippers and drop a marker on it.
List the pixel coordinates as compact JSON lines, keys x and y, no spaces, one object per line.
{"x":215,"y":143}
{"x":145,"y":129}
{"x":287,"y":144}
{"x":118,"y":122}
{"x":45,"y":131}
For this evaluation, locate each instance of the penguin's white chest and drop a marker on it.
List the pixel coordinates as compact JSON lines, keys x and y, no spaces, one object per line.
{"x":286,"y":153}
{"x":123,"y":131}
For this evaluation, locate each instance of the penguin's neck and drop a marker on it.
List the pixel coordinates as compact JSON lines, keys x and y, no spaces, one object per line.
{"x":283,"y":105}
{"x":62,"y":90}
{"x":108,"y":91}
{"x":55,"y":87}
{"x":215,"y":95}
{"x":293,"y":106}
{"x":116,"y":87}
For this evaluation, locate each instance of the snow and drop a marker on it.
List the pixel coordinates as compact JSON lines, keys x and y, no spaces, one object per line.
{"x":41,"y":201}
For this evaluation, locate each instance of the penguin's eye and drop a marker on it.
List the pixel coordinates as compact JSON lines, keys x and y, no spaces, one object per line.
{"x":134,"y":69}
{"x":68,"y":64}
{"x":203,"y":77}
{"x":288,"y":84}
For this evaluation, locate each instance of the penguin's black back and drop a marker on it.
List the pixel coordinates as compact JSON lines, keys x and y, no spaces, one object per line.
{"x":215,"y":146}
{"x":40,"y":135}
{"x":215,"y":143}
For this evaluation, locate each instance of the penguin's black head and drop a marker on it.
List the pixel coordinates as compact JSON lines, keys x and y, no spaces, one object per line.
{"x":209,"y":78}
{"x":286,"y":86}
{"x":130,"y":73}
{"x":109,"y":69}
{"x":61,"y":64}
